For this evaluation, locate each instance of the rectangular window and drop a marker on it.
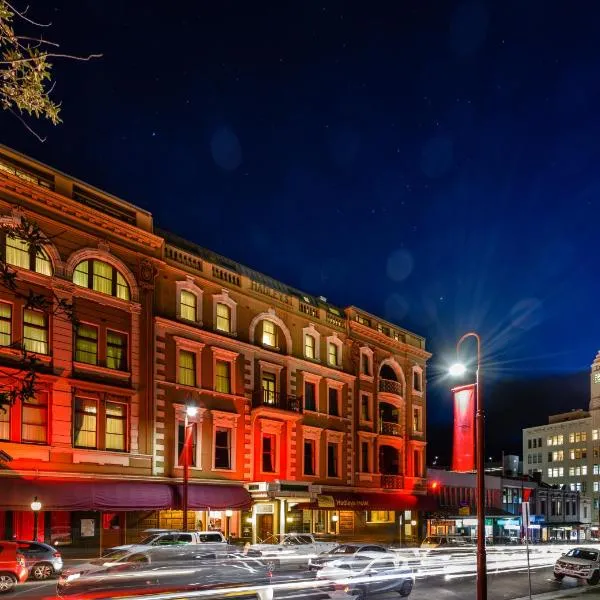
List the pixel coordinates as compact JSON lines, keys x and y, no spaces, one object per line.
{"x":529,"y":444}
{"x":85,"y":423}
{"x":584,"y":470}
{"x":310,"y":396}
{"x":268,"y":453}
{"x":417,"y":381}
{"x":116,"y":351}
{"x":364,"y":457}
{"x":417,"y":419}
{"x":269,"y":386}
{"x":269,"y":336}
{"x":584,"y":436}
{"x":309,"y":457}
{"x":549,"y":473}
{"x":332,"y":354}
{"x":86,"y":344}
{"x":223,"y":317}
{"x":366,"y":364}
{"x":188,"y":304}
{"x":381,"y":516}
{"x":534,"y":443}
{"x":596,"y":486}
{"x":332,"y":460}
{"x":223,"y":377}
{"x":4,"y":422}
{"x":187,"y":368}
{"x":549,"y":442}
{"x":417,"y":463}
{"x":34,"y":428}
{"x":549,"y":456}
{"x":596,"y":470}
{"x":192,"y":433}
{"x":5,"y":324}
{"x":17,"y":252}
{"x":539,"y":442}
{"x":333,"y":402}
{"x":529,"y":459}
{"x":365,"y":413}
{"x":35,"y":332}
{"x":116,"y":426}
{"x":309,"y":346}
{"x":102,"y":280}
{"x":223,"y":448}
{"x":594,"y":434}
{"x":571,"y":471}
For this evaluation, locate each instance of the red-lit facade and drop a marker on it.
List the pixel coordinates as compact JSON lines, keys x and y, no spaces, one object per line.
{"x":308,"y":417}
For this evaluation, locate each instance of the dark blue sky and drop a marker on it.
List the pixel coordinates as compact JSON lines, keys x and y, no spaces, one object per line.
{"x":432,"y":162}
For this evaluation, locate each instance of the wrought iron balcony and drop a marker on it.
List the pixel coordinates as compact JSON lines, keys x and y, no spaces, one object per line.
{"x":392,"y":482}
{"x":390,"y":386}
{"x":270,"y":399}
{"x":388,"y":428}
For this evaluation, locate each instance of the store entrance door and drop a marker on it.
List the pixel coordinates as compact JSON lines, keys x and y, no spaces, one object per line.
{"x":264,"y":527}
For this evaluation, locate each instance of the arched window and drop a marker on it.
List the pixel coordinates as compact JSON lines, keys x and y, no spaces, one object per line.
{"x":101,"y":277}
{"x":19,"y":253}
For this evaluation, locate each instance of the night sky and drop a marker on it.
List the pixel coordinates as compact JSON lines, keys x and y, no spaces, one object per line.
{"x":432,"y":162}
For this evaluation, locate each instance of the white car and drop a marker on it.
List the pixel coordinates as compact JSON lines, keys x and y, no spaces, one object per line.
{"x":365,"y":576}
{"x":580,"y":563}
{"x":291,"y":548}
{"x":174,"y":538}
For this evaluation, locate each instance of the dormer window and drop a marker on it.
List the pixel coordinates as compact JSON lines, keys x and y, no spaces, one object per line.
{"x":188,"y":305}
{"x":101,"y":277}
{"x":19,"y":253}
{"x":269,"y":335}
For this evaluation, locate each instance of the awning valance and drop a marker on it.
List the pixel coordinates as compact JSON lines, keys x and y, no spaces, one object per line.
{"x":65,"y":494}
{"x":215,"y":497}
{"x":367,"y":501}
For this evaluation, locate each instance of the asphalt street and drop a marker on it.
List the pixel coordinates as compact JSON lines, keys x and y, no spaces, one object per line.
{"x":501,"y":586}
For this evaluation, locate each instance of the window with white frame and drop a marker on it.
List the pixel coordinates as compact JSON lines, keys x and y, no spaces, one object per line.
{"x":186,"y":374}
{"x":225,"y":313}
{"x":18,"y":252}
{"x":366,"y":362}
{"x":311,"y":343}
{"x":35,"y":331}
{"x":332,"y":354}
{"x":34,"y":419}
{"x":223,"y":376}
{"x":269,"y":333}
{"x":116,"y":426}
{"x":189,"y":301}
{"x":5,"y":324}
{"x":223,"y":436}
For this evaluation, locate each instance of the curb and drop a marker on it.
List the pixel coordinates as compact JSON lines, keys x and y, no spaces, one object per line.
{"x":578,"y":591}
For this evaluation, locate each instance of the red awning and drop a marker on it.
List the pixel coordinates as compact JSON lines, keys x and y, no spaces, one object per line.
{"x":217,"y":497}
{"x":64,"y":494}
{"x":367,"y":501}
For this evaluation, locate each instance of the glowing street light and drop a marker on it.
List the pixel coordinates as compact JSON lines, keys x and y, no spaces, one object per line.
{"x":457,"y":370}
{"x":36,"y":506}
{"x":190,"y":412}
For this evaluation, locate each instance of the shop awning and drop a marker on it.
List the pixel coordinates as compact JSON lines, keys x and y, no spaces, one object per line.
{"x":368,"y":501}
{"x":65,"y":494}
{"x":215,"y":497}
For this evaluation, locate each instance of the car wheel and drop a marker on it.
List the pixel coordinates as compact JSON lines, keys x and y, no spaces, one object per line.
{"x":7,"y":582}
{"x":406,"y":588}
{"x":559,"y":576}
{"x":595,"y":578}
{"x":360,"y":594}
{"x":42,"y":571}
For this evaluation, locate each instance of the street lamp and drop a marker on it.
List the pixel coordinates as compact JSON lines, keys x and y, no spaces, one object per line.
{"x":457,"y":370}
{"x":36,"y":506}
{"x":190,"y":411}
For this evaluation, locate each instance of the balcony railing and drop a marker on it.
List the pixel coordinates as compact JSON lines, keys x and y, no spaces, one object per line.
{"x":390,"y":386}
{"x":392,"y":482}
{"x":387,"y":428}
{"x":276,"y":400}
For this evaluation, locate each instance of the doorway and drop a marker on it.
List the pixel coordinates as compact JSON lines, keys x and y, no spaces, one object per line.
{"x":264,"y":527}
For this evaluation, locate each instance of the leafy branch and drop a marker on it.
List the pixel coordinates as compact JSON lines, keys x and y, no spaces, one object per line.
{"x":26,"y":68}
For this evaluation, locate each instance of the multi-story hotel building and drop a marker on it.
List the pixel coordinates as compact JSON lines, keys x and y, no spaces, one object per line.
{"x":299,"y":415}
{"x":566,"y":451}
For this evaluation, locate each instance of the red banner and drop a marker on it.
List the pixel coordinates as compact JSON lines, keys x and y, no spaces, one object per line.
{"x":463,"y":452}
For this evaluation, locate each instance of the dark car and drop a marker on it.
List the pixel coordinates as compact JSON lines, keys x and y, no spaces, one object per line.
{"x":12,"y":567}
{"x":42,"y":560}
{"x":169,"y":570}
{"x":345,"y":551}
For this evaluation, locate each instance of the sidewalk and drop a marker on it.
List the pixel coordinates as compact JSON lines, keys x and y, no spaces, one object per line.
{"x":578,"y":592}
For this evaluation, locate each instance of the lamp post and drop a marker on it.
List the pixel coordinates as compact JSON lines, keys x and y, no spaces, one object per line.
{"x":36,"y":506}
{"x":457,"y":370}
{"x":190,"y":411}
{"x":228,"y":515}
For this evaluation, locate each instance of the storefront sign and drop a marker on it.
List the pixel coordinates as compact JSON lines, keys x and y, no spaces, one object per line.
{"x":264,"y":509}
{"x":464,"y":511}
{"x":325,"y":502}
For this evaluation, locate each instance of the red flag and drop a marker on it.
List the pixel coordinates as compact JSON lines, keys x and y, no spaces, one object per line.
{"x":527,"y":494}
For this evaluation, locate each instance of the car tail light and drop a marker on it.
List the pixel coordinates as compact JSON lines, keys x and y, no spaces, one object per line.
{"x":340,"y":587}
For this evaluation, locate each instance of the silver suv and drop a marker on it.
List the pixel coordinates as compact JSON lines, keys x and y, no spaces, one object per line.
{"x":580,"y":563}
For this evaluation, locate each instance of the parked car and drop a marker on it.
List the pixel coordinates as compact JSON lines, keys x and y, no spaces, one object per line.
{"x":169,"y":570}
{"x":363,"y":576}
{"x":291,"y":548}
{"x":42,"y":560}
{"x":174,"y":538}
{"x":446,"y":541}
{"x":580,"y":563}
{"x":12,"y":567}
{"x":344,"y":551}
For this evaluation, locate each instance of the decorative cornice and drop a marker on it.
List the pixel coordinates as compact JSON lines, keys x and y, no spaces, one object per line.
{"x":388,"y":342}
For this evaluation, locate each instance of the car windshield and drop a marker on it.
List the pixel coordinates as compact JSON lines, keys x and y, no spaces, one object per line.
{"x":111,"y":557}
{"x":148,"y":540}
{"x":582,"y":553}
{"x":345,"y":549}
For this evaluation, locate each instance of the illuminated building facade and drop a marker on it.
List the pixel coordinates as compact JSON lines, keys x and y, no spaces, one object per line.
{"x":308,"y":416}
